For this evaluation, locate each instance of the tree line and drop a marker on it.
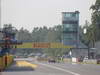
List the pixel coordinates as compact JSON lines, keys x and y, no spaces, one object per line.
{"x":40,"y":34}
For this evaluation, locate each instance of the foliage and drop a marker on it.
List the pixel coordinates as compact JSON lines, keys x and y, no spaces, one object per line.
{"x":24,"y":35}
{"x":93,"y":30}
{"x":96,"y":19}
{"x":89,"y":38}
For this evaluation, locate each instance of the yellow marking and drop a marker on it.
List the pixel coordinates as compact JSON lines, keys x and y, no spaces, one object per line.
{"x":25,"y":45}
{"x":25,"y":64}
{"x":43,"y":45}
{"x":59,"y":45}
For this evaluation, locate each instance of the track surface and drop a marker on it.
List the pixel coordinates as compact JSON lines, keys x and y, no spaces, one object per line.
{"x":28,"y":66}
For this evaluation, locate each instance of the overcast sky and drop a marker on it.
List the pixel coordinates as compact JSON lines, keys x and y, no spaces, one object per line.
{"x":33,"y":13}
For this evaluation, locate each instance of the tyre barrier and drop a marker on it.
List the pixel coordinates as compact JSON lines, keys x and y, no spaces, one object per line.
{"x":5,"y":61}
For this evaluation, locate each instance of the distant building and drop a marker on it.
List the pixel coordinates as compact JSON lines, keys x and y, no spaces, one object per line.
{"x":70,"y":22}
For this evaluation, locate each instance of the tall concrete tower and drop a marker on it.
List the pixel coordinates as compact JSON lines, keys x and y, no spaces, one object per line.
{"x":70,"y":22}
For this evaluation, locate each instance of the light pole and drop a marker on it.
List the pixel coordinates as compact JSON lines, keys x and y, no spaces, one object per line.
{"x":0,"y":14}
{"x":85,"y":31}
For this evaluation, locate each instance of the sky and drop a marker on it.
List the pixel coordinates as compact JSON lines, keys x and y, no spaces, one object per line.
{"x":39,"y":13}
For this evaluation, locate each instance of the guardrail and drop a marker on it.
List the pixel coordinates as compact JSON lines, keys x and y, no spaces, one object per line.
{"x":5,"y":61}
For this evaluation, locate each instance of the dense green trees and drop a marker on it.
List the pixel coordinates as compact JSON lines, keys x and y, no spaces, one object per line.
{"x":93,"y":29}
{"x":96,"y":19}
{"x":24,"y":35}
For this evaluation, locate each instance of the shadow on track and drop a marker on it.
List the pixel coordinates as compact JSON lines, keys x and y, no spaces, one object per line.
{"x":15,"y":68}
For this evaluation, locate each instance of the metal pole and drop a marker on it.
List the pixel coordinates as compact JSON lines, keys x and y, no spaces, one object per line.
{"x":88,"y":52}
{"x":0,"y":14}
{"x":77,"y":34}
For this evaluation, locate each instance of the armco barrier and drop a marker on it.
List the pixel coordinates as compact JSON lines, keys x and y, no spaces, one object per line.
{"x":90,"y":61}
{"x":8,"y":60}
{"x":1,"y":64}
{"x":67,"y":60}
{"x":5,"y":61}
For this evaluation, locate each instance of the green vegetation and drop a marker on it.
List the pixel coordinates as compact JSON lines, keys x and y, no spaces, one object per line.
{"x":93,"y":29}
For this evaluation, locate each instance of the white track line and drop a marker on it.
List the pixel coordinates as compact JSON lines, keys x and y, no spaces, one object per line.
{"x":73,"y":73}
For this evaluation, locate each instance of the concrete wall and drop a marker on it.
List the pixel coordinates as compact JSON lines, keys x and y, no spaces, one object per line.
{"x":79,"y":52}
{"x":97,"y":46}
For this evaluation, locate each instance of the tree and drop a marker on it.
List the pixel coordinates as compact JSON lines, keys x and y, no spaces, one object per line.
{"x":24,"y":35}
{"x":93,"y":30}
{"x":39,"y":34}
{"x":96,"y":19}
{"x":88,"y":38}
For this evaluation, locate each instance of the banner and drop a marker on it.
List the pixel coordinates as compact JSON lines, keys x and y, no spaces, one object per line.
{"x":43,"y":45}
